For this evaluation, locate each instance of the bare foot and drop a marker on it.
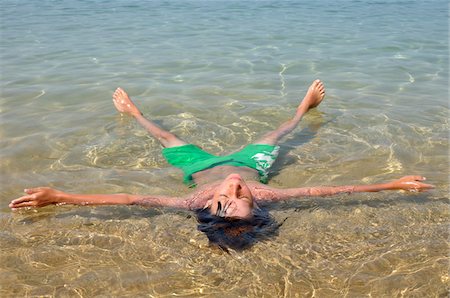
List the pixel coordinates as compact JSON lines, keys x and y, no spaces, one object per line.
{"x":314,"y":95}
{"x":123,"y":103}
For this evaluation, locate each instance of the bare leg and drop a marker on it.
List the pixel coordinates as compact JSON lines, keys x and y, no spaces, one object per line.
{"x":312,"y":99}
{"x":125,"y":105}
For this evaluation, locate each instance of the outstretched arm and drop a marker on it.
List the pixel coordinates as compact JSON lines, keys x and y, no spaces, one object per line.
{"x":409,"y":183}
{"x":43,"y":196}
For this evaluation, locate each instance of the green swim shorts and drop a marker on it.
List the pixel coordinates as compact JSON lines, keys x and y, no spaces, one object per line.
{"x":191,"y":159}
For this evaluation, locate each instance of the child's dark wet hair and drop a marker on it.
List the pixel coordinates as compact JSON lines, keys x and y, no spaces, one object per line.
{"x":238,"y":234}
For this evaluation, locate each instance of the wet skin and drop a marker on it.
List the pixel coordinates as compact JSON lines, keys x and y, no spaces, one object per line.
{"x":232,"y":198}
{"x":222,"y":188}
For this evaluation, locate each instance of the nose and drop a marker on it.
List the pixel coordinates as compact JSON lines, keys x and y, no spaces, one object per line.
{"x":234,"y":188}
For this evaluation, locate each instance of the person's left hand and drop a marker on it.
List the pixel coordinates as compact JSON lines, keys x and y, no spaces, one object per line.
{"x":411,"y":183}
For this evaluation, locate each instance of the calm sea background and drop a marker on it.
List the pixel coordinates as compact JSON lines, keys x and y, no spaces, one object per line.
{"x":220,"y":74}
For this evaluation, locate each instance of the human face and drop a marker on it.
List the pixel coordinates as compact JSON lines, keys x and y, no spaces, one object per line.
{"x":232,"y":198}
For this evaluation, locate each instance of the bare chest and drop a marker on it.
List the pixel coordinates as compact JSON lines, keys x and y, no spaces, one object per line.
{"x":221,"y":172}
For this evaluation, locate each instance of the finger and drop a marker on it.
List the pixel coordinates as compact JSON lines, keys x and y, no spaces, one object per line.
{"x":21,"y":200}
{"x":24,"y":204}
{"x":33,"y":190}
{"x":424,"y":185}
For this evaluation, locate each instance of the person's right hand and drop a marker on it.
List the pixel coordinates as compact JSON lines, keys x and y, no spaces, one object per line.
{"x":411,"y":183}
{"x":36,"y":197}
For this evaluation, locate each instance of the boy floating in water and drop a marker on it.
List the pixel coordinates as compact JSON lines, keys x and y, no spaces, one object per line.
{"x":229,"y":187}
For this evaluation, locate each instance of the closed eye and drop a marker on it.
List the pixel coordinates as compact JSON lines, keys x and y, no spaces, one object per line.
{"x":246,"y":199}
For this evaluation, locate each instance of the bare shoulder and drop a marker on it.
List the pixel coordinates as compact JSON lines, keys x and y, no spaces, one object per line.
{"x":262,"y":192}
{"x":201,"y":196}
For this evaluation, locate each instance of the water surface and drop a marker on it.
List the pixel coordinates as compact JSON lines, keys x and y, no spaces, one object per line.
{"x":220,"y":74}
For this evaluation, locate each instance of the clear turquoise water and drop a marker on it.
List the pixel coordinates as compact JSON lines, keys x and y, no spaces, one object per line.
{"x":220,"y":74}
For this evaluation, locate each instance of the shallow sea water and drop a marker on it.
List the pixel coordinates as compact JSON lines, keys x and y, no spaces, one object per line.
{"x":220,"y":74}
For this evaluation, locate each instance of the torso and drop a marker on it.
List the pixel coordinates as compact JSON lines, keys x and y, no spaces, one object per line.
{"x":221,"y":172}
{"x":207,"y":181}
